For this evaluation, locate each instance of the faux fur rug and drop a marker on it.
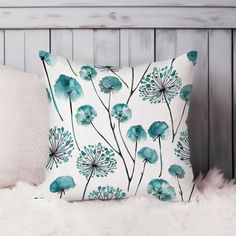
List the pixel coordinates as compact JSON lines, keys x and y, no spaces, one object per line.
{"x":212,"y":212}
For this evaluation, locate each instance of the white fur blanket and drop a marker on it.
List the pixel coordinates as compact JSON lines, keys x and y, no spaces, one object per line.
{"x":212,"y":212}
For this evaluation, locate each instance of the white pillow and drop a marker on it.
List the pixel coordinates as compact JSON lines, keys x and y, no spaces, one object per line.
{"x":119,"y":132}
{"x":23,"y":126}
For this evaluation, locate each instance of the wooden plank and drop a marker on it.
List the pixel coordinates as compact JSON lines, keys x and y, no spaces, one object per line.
{"x":62,"y":43}
{"x":234,"y":103}
{"x":35,"y":40}
{"x":15,"y":49}
{"x":64,"y":3}
{"x":220,"y":100}
{"x":2,"y":50}
{"x":188,"y":40}
{"x":165,"y":44}
{"x":83,"y":46}
{"x":118,"y":17}
{"x":140,"y":45}
{"x":106,"y":47}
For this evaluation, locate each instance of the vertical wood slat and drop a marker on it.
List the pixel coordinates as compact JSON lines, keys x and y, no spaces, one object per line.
{"x":15,"y":49}
{"x":106,"y":47}
{"x":188,"y":40}
{"x":220,"y":95}
{"x":83,"y":46}
{"x":2,"y":50}
{"x":21,"y":49}
{"x":140,"y":46}
{"x":62,"y":42}
{"x":234,"y":103}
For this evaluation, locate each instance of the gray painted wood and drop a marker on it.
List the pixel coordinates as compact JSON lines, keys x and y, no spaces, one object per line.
{"x":220,"y":100}
{"x":15,"y":49}
{"x":234,"y":102}
{"x":64,"y":3}
{"x":61,"y":43}
{"x":40,"y":39}
{"x":118,"y":17}
{"x":106,"y":47}
{"x":2,"y":47}
{"x":188,"y":40}
{"x":139,"y":44}
{"x":83,"y":46}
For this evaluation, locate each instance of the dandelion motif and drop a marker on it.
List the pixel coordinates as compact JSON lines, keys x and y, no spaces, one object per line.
{"x":110,"y":84}
{"x":88,"y":73}
{"x":158,"y":131}
{"x":192,"y":56}
{"x":182,"y":150}
{"x":85,"y":115}
{"x":49,"y":58}
{"x":161,"y":189}
{"x":161,"y":86}
{"x":95,"y":161}
{"x":107,"y":193}
{"x":62,"y":184}
{"x":121,"y":112}
{"x":60,"y":146}
{"x":148,"y":155}
{"x":179,"y":173}
{"x":113,"y":70}
{"x":68,"y":88}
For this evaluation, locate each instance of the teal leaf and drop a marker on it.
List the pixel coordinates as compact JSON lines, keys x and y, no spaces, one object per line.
{"x":49,"y":58}
{"x":192,"y":56}
{"x":88,"y":73}
{"x":136,"y":133}
{"x":110,"y":84}
{"x":177,"y":171}
{"x":148,"y":154}
{"x":85,"y":115}
{"x":121,"y":112}
{"x":158,"y":129}
{"x":185,"y":92}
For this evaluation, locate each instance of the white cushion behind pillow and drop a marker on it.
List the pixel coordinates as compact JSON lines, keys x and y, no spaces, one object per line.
{"x":23,"y":127}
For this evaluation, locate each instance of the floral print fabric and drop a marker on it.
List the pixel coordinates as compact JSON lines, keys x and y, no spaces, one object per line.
{"x":118,"y":132}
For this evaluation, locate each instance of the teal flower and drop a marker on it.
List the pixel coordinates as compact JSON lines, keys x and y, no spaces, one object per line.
{"x":68,"y":87}
{"x":88,"y":73}
{"x":49,"y":96}
{"x":60,"y":146}
{"x":136,"y":133}
{"x":147,"y":154}
{"x":161,"y":189}
{"x":176,"y":171}
{"x":107,"y":193}
{"x":95,"y":160}
{"x":121,"y":112}
{"x":192,"y":56}
{"x":162,"y":85}
{"x":185,"y":92}
{"x":85,"y":115}
{"x":158,"y":129}
{"x":61,"y":184}
{"x":183,"y":148}
{"x":110,"y":84}
{"x":48,"y":57}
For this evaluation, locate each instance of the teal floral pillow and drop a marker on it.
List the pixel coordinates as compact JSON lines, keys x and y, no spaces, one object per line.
{"x":119,"y":132}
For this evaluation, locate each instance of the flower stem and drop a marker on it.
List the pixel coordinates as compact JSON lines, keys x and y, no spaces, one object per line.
{"x":86,"y":186}
{"x":134,"y":89}
{"x":161,"y":161}
{"x":181,"y":118}
{"x":118,"y":77}
{"x":122,"y":138}
{"x":71,"y":67}
{"x":141,"y":177}
{"x":171,"y":118}
{"x":101,"y":135}
{"x":61,"y":193}
{"x":191,"y":194}
{"x":180,"y":189}
{"x":50,"y":87}
{"x":72,"y":123}
{"x":134,"y":162}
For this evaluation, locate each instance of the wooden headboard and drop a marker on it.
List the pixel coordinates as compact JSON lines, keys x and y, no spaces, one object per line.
{"x":128,"y":32}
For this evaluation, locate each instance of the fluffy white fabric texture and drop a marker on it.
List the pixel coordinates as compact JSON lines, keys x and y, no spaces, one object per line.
{"x":212,"y":212}
{"x":23,"y":127}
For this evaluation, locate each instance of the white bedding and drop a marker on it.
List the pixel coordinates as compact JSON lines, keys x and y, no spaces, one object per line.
{"x":211,"y":213}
